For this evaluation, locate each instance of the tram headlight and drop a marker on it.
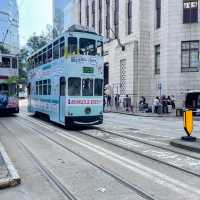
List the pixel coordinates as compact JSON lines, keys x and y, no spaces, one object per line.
{"x":88,"y":110}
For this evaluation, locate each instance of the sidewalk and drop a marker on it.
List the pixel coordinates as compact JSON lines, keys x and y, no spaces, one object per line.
{"x":141,"y":114}
{"x":8,"y":174}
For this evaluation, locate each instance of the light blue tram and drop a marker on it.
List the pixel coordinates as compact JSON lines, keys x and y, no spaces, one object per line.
{"x":65,"y":81}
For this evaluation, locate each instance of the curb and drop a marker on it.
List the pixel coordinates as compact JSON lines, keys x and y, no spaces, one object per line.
{"x":177,"y":143}
{"x":14,"y":178}
{"x":139,"y":115}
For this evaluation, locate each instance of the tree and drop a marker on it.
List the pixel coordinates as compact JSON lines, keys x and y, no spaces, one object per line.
{"x":23,"y":65}
{"x":36,"y":42}
{"x":4,"y":50}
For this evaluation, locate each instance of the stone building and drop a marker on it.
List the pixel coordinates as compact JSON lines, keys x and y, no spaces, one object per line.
{"x":151,"y":47}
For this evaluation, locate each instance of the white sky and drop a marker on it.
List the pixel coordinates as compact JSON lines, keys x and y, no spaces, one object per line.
{"x":34,"y":15}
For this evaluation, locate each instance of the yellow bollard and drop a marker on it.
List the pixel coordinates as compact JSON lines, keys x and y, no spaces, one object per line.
{"x":188,"y":122}
{"x":188,"y":125}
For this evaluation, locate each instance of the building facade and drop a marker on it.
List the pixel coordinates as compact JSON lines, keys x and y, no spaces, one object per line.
{"x":58,"y":15}
{"x":9,"y":25}
{"x":151,"y":48}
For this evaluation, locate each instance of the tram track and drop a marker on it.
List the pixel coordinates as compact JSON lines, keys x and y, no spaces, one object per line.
{"x":60,"y":132}
{"x":139,"y":191}
{"x":136,"y":151}
{"x":44,"y":170}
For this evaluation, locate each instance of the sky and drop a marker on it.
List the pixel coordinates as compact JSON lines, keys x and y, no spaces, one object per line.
{"x":34,"y":15}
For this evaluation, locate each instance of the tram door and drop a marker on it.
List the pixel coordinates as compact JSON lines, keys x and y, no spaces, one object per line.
{"x":29,"y":97}
{"x":62,"y":99}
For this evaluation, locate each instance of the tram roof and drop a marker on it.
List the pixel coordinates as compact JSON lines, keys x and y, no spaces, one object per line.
{"x":74,"y":29}
{"x":192,"y":91}
{"x":8,"y":55}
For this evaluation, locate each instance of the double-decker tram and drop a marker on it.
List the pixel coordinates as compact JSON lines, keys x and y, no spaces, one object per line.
{"x":8,"y":84}
{"x":65,"y":81}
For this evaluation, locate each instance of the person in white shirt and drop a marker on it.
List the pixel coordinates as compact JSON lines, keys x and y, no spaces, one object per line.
{"x":156,"y":102}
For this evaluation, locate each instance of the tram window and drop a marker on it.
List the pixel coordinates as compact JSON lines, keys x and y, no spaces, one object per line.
{"x":62,"y":47}
{"x":36,"y":60}
{"x":99,"y":48}
{"x":14,"y":63}
{"x":62,"y":86}
{"x":49,"y":87}
{"x":72,"y":45}
{"x":87,"y":87}
{"x":49,"y":53}
{"x":98,"y":89}
{"x":87,"y":47}
{"x":5,"y":62}
{"x":44,"y":85}
{"x":40,"y":87}
{"x":40,"y":58}
{"x":44,"y":56}
{"x":37,"y":88}
{"x":3,"y":88}
{"x":56,"y":49}
{"x":74,"y":87}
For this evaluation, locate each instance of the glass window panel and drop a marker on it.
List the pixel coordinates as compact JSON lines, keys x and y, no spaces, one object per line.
{"x":87,"y":87}
{"x":98,"y":90}
{"x":194,"y":58}
{"x":87,"y":46}
{"x":194,"y":45}
{"x":74,"y":87}
{"x":185,"y":59}
{"x":72,"y":45}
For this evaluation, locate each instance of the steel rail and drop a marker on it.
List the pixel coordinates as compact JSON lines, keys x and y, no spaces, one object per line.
{"x":139,"y":191}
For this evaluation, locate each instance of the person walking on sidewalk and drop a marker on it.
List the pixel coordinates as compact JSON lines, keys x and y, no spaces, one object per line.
{"x":156,"y":103}
{"x":117,"y":102}
{"x":173,"y":102}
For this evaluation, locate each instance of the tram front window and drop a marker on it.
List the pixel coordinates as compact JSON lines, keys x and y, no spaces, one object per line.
{"x":74,"y":87}
{"x":98,"y":88}
{"x":5,"y":62}
{"x":87,"y":47}
{"x":87,"y":87}
{"x":3,"y":89}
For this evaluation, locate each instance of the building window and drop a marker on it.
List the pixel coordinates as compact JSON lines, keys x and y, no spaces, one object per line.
{"x":157,"y":59}
{"x":87,"y":14}
{"x":108,"y":18}
{"x":100,"y":17}
{"x":116,"y":18}
{"x":129,"y":16}
{"x":123,"y":77}
{"x":190,"y":11}
{"x":189,"y":56}
{"x":158,"y":13}
{"x":93,"y":14}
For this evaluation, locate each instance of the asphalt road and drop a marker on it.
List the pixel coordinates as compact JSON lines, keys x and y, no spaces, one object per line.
{"x":127,"y":157}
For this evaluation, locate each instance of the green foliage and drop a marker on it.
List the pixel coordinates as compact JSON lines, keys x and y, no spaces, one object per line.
{"x":36,"y":42}
{"x":4,"y":50}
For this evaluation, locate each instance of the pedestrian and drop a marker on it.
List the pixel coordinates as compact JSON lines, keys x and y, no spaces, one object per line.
{"x":104,"y":103}
{"x":156,"y":104}
{"x":108,"y":100}
{"x":173,"y":102}
{"x":164,"y":104}
{"x":117,"y":102}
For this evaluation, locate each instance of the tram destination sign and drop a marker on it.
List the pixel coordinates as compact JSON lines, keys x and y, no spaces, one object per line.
{"x":88,"y":70}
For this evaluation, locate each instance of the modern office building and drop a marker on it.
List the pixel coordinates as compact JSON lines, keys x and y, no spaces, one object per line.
{"x":58,"y":14}
{"x":151,"y":49}
{"x":9,"y":25}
